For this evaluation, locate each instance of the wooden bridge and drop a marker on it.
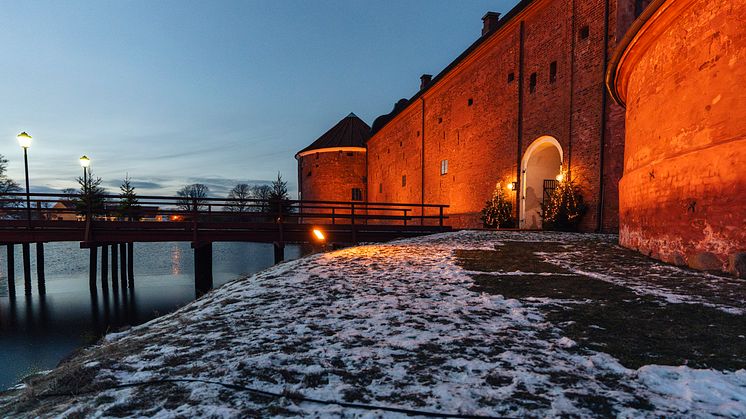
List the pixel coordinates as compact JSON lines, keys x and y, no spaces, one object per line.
{"x":105,"y":225}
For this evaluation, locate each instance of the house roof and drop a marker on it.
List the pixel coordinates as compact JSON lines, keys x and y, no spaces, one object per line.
{"x":351,"y":131}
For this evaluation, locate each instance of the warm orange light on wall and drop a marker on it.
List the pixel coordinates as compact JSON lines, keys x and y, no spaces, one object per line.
{"x":560,"y":177}
{"x":319,"y":234}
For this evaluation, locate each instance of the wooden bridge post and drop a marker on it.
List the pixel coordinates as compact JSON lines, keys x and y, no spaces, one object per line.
{"x":114,"y":265}
{"x":352,"y":226}
{"x":131,"y":261}
{"x":123,"y":263}
{"x":92,"y":268}
{"x":279,"y":249}
{"x":40,"y":268}
{"x":11,"y":270}
{"x":202,"y":268}
{"x":105,"y":268}
{"x":26,"y":250}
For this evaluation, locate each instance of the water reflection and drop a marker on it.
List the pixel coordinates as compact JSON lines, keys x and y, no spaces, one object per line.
{"x":37,"y":331}
{"x":176,"y":260}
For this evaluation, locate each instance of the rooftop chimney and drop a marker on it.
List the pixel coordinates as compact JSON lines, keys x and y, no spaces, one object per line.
{"x":425,"y":79}
{"x":489,"y":22}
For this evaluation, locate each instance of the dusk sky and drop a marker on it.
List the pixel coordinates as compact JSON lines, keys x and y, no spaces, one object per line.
{"x":177,"y":92}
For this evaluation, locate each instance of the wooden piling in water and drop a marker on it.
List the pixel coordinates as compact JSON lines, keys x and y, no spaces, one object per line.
{"x":114,"y":268}
{"x":131,"y":261}
{"x":11,"y":270}
{"x":40,"y":280}
{"x":105,"y":268}
{"x":202,"y":268}
{"x":26,"y":250}
{"x":123,"y":264}
{"x":279,"y":251}
{"x":92,"y":268}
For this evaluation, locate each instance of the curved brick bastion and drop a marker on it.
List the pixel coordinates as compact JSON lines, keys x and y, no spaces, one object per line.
{"x":681,"y":71}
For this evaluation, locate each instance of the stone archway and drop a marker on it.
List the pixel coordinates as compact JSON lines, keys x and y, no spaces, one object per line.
{"x":541,"y":161}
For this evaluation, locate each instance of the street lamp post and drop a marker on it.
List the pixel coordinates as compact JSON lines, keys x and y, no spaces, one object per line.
{"x":84,"y":163}
{"x":25,"y":141}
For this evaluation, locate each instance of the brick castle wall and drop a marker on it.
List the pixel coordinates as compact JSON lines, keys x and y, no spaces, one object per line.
{"x":331,"y":176}
{"x":682,"y":197}
{"x":475,"y":117}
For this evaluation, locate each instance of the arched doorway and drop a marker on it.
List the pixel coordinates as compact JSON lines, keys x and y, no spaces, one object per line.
{"x":540,"y":166}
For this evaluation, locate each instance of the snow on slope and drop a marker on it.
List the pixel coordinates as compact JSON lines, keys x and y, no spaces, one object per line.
{"x":394,"y":325}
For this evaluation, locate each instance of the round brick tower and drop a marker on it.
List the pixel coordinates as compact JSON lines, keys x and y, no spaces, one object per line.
{"x":334,"y":167}
{"x":681,"y":74}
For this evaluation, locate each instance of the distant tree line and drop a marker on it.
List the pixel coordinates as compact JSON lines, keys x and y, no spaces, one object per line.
{"x":90,"y":197}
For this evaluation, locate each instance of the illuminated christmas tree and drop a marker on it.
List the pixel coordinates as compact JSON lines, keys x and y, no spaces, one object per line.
{"x":565,"y":207}
{"x":498,"y":211}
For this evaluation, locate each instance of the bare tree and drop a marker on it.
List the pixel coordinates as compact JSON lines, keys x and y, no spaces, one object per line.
{"x":239,"y":199}
{"x":263,"y":193}
{"x":192,"y":197}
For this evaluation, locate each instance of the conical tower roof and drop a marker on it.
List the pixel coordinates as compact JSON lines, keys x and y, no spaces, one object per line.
{"x":351,"y":131}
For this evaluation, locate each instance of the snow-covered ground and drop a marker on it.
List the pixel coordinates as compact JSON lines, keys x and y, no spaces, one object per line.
{"x":395,"y":325}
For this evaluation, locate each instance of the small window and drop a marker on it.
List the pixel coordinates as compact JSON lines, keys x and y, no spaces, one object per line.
{"x":309,"y":174}
{"x":357,"y":194}
{"x":401,"y":143}
{"x":532,"y":83}
{"x":350,"y":153}
{"x":511,"y":77}
{"x":317,"y":156}
{"x":365,"y":179}
{"x":380,"y":188}
{"x":440,"y":120}
{"x":443,"y":167}
{"x":585,"y":32}
{"x":470,"y":102}
{"x":418,"y":133}
{"x":553,"y":72}
{"x":404,"y":180}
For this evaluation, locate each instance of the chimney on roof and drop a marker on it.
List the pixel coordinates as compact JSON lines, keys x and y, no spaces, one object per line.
{"x":425,"y":79}
{"x":489,"y":22}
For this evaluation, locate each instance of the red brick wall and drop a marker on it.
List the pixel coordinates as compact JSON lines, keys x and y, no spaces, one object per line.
{"x":331,"y":175}
{"x":481,"y":141}
{"x":682,"y":197}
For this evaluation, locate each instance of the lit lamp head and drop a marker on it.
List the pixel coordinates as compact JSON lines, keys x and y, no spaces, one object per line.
{"x":319,"y":235}
{"x":85,"y":162}
{"x":560,"y":177}
{"x":24,"y":140}
{"x":512,"y":186}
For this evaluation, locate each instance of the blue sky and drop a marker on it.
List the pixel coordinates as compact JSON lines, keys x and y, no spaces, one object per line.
{"x":218,"y":92}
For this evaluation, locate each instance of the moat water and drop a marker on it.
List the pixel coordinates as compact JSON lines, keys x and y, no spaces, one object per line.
{"x":37,"y":332}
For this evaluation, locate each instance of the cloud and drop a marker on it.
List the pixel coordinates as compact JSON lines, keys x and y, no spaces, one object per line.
{"x":139,"y":184}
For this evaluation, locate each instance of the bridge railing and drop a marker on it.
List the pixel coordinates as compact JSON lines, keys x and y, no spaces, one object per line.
{"x":76,"y":207}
